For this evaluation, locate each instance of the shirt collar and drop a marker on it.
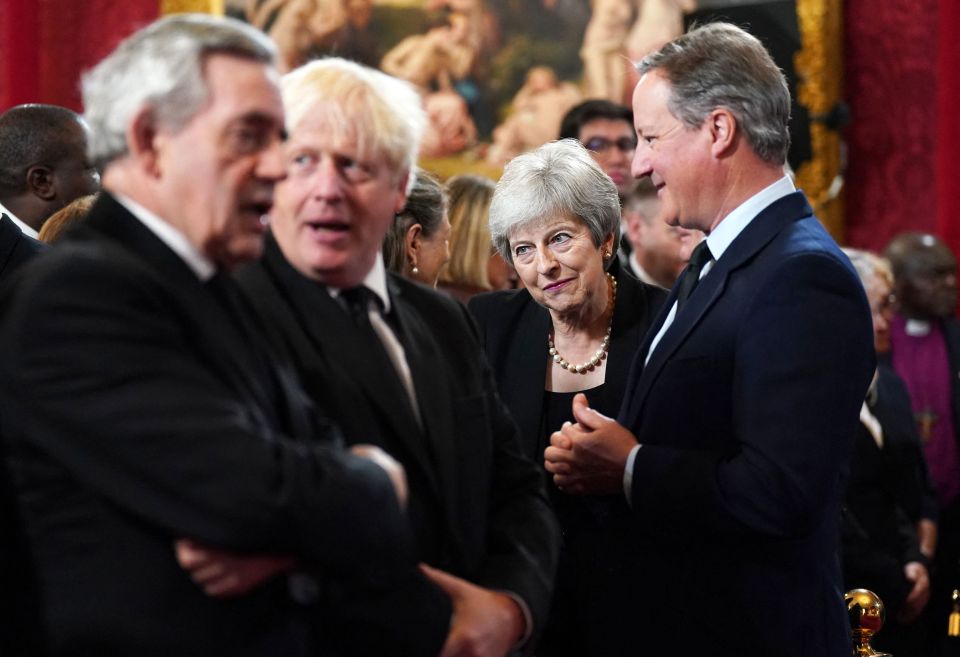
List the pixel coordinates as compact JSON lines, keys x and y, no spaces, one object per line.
{"x":733,"y":224}
{"x":24,"y":228}
{"x":641,"y":273}
{"x":200,"y":264}
{"x":376,"y":281}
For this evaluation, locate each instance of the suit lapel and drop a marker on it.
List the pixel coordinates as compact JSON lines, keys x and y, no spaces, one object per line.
{"x":626,"y":337}
{"x":427,"y":369}
{"x":223,"y":344}
{"x":337,"y":342}
{"x":527,"y":371}
{"x":758,"y":233}
{"x":10,"y":234}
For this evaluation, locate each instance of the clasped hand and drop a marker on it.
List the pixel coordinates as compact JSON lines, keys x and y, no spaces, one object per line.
{"x":588,"y":457}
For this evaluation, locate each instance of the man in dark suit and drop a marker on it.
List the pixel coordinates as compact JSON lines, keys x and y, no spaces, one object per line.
{"x":15,"y":247}
{"x":43,"y":163}
{"x":140,"y":406}
{"x":401,"y":365}
{"x":925,"y":352}
{"x":734,"y":437}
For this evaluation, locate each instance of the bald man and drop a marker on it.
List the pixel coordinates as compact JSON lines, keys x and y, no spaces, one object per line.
{"x":43,"y":163}
{"x":925,"y":352}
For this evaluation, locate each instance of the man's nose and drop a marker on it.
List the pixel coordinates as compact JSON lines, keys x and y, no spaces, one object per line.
{"x":641,"y":162}
{"x":328,"y":182}
{"x":271,"y":165}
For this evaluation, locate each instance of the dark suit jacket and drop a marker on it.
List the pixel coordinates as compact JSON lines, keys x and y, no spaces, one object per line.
{"x":746,"y":414}
{"x":596,"y":585}
{"x":15,"y":247}
{"x":15,"y":250}
{"x":879,"y":534}
{"x":477,"y":504}
{"x":136,"y":412}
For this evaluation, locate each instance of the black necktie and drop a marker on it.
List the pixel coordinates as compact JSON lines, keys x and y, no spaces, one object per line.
{"x":358,"y":301}
{"x":691,"y":275}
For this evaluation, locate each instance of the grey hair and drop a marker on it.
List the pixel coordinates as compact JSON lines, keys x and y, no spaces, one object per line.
{"x":161,"y":68}
{"x":558,"y":179}
{"x":426,"y":204}
{"x":869,"y":266}
{"x":721,"y":65}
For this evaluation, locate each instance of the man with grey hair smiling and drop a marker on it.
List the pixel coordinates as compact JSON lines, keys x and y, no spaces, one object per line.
{"x":733,"y":441}
{"x":142,"y":410}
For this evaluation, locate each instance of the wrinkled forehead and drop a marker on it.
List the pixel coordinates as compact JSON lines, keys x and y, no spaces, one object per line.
{"x":530,"y":226}
{"x":339,"y":127}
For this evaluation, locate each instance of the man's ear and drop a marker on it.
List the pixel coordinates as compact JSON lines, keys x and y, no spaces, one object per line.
{"x":40,"y":182}
{"x":144,"y":140}
{"x":724,"y":129}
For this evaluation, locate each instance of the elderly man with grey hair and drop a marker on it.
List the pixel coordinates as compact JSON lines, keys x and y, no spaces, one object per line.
{"x":399,"y":363}
{"x":732,"y":445}
{"x":140,"y":407}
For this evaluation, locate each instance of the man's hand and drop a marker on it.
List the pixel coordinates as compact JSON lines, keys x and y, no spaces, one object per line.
{"x":224,"y":574}
{"x":485,"y":623}
{"x":388,"y":463}
{"x":920,"y":594}
{"x":588,"y":458}
{"x":927,"y":537}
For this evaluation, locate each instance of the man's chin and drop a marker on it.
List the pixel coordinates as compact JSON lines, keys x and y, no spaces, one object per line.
{"x":237,"y":251}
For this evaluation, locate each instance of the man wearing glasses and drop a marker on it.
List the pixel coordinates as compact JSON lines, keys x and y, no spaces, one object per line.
{"x":606,"y":130}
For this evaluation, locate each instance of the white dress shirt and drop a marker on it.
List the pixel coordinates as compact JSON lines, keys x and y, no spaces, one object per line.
{"x":24,"y":228}
{"x":376,"y":281}
{"x":199,"y":263}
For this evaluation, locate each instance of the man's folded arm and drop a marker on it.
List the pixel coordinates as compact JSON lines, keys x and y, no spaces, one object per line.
{"x":118,"y":395}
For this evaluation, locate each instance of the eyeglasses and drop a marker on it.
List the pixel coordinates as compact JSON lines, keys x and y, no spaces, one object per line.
{"x":602,"y":144}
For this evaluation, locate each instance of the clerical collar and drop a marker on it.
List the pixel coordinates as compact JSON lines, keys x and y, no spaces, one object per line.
{"x":24,"y":228}
{"x":376,"y":281}
{"x":917,"y":328}
{"x":176,"y":241}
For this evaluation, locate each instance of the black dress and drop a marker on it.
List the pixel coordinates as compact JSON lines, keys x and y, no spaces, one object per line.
{"x":591,"y":612}
{"x":597,"y":590}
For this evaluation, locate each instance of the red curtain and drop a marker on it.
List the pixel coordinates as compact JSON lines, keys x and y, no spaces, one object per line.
{"x":891,"y":85}
{"x":948,"y":125}
{"x":46,"y":44}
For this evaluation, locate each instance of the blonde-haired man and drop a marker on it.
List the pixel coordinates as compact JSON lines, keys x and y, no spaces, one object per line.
{"x":401,"y":363}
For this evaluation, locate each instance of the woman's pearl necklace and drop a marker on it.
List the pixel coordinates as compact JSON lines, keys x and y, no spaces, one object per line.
{"x":601,"y":354}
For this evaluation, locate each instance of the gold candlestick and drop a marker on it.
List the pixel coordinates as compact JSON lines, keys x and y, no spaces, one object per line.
{"x":953,"y":625}
{"x":866,"y":614}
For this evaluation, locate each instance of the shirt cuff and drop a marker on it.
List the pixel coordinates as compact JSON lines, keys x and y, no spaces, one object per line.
{"x":628,"y":475}
{"x":527,"y":619}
